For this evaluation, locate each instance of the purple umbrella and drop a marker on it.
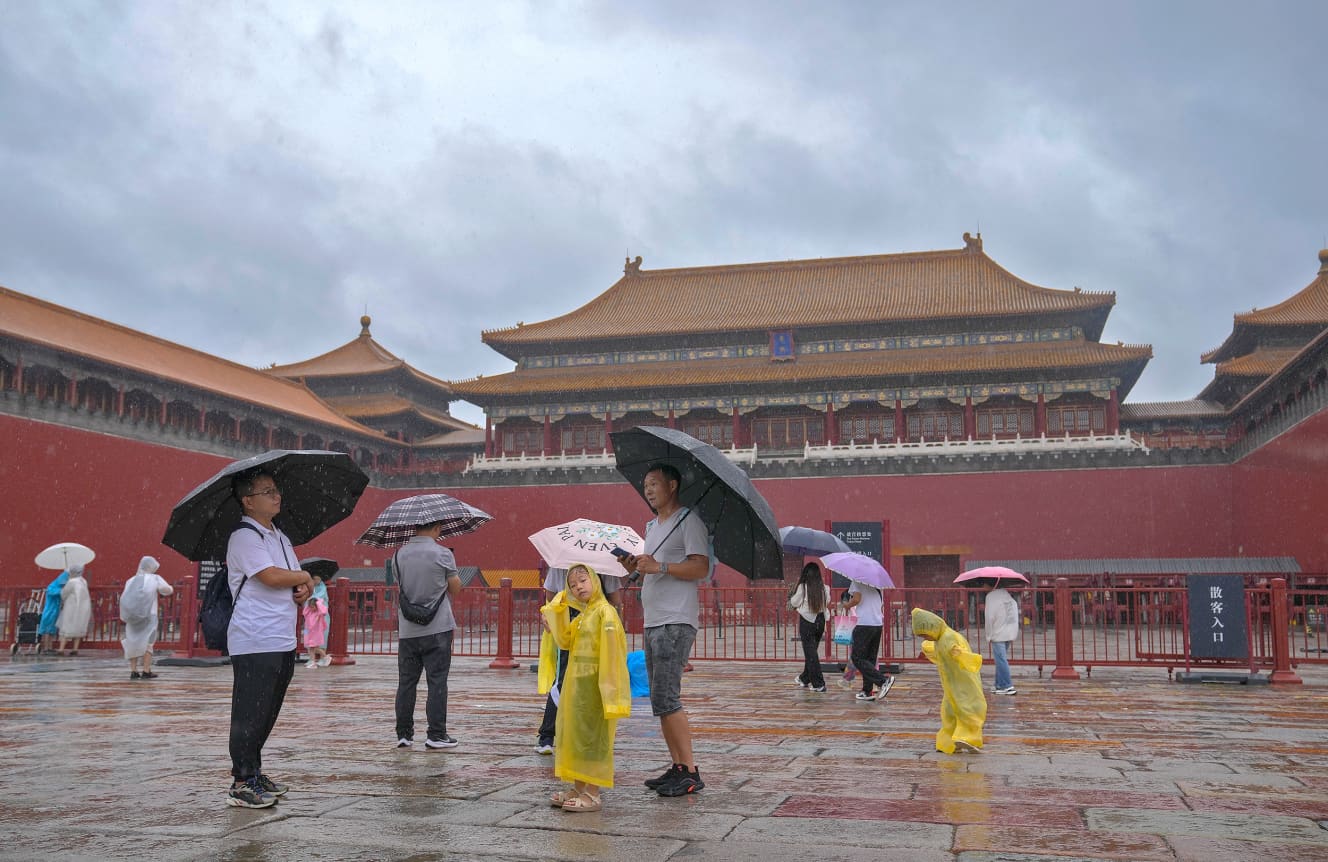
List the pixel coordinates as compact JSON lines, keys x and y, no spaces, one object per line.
{"x":860,"y":568}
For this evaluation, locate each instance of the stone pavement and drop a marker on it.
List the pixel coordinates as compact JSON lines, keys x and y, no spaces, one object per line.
{"x":1125,"y":765}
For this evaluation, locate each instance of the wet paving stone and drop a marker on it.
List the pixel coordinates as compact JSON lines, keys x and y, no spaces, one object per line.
{"x":1120,"y":766}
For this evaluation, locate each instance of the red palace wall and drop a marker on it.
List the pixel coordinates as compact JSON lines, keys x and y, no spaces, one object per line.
{"x":115,"y":495}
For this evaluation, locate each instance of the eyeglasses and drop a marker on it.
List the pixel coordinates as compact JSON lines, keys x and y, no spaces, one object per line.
{"x":274,"y":491}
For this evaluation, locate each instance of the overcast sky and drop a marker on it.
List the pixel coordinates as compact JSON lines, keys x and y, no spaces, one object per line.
{"x":248,"y":178}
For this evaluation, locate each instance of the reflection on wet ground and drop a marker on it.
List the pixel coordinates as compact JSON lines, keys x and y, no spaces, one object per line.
{"x":1125,"y":765}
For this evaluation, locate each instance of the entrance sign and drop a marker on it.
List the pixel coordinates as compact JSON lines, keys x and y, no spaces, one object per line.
{"x":863,"y":537}
{"x":1218,"y":621}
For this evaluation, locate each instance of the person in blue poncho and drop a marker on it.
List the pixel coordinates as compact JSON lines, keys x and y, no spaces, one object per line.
{"x":48,"y":627}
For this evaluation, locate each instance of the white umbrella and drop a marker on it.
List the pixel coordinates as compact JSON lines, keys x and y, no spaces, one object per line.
{"x":585,"y":541}
{"x":65,"y":554}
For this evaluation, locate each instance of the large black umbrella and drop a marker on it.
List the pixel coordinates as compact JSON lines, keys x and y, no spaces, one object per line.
{"x":318,"y":489}
{"x":715,"y":488}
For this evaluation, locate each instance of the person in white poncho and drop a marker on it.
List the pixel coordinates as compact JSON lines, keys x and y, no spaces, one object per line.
{"x":138,"y":611}
{"x":75,"y":610}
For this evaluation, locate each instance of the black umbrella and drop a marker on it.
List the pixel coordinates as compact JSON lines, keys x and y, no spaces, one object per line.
{"x":715,"y":488}
{"x":318,"y":489}
{"x":320,"y":567}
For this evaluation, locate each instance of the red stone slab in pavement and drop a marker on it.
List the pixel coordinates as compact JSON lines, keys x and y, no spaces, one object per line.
{"x":1082,"y":844}
{"x":1001,"y":812}
{"x":1252,"y":803}
{"x":1070,"y":798}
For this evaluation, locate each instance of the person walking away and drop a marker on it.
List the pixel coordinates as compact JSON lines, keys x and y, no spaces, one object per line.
{"x":866,"y":646}
{"x":555,"y":581}
{"x":49,"y":625}
{"x":597,"y":691}
{"x":676,"y":560}
{"x":75,"y":610}
{"x":809,"y":600}
{"x":138,"y":611}
{"x":427,"y":575}
{"x":315,"y":615}
{"x":963,"y":708}
{"x":1001,"y":613}
{"x":267,"y":586}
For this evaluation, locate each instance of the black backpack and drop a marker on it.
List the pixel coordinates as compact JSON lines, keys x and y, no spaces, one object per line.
{"x":214,"y":613}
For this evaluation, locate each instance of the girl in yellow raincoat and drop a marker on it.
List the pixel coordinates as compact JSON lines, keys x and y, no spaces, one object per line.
{"x":964,"y":707}
{"x":596,"y":690}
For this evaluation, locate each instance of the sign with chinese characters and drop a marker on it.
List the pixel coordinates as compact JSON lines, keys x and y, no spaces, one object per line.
{"x":1217,"y":616}
{"x":863,"y":537}
{"x":781,"y":346}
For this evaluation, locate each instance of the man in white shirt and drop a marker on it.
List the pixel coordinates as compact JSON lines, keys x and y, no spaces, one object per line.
{"x":1001,"y":612}
{"x":266,"y":584}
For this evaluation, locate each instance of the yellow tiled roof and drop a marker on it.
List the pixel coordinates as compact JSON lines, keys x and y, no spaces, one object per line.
{"x":378,"y":405}
{"x":522,"y":579}
{"x":915,"y":286}
{"x":1261,"y":363}
{"x":1308,"y":307}
{"x":359,"y":357}
{"x":819,"y":367}
{"x":34,"y":320}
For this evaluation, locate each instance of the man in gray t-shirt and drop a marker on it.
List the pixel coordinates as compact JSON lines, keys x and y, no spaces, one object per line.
{"x":426,"y":575}
{"x":676,"y":560}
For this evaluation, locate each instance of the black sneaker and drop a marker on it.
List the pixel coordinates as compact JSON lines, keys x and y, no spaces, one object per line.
{"x":665,"y":777}
{"x":445,"y":742}
{"x":250,"y":794}
{"x":271,"y":786}
{"x":683,"y":783}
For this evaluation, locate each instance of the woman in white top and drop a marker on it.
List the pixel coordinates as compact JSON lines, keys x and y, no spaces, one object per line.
{"x":808,"y":598}
{"x":138,"y":611}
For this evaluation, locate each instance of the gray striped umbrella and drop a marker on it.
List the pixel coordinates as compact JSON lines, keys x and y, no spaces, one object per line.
{"x":399,"y":521}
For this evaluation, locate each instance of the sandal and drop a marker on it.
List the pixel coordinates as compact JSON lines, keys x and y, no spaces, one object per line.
{"x":560,"y":797}
{"x":583,"y":802}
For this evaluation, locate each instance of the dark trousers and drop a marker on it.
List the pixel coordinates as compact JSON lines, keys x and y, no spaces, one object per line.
{"x":548,"y":726}
{"x":257,"y":692}
{"x":864,"y":651}
{"x":433,"y":655}
{"x":810,"y":634}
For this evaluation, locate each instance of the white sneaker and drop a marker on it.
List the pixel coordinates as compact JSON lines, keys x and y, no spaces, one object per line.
{"x":1008,"y":690}
{"x":325,"y":661}
{"x":797,"y":680}
{"x":404,"y":743}
{"x":885,"y":689}
{"x":862,"y":695}
{"x":311,"y":664}
{"x":544,"y":748}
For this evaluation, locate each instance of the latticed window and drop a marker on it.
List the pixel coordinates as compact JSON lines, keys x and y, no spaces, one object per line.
{"x":582,"y":437}
{"x":718,"y":434}
{"x":1076,"y":420}
{"x":865,"y":429}
{"x":788,"y":432}
{"x":1005,"y":421}
{"x":935,"y":425}
{"x":523,"y":440}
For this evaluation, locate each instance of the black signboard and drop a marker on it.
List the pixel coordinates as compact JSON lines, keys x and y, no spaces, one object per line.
{"x":864,"y":537}
{"x":1217,"y":616}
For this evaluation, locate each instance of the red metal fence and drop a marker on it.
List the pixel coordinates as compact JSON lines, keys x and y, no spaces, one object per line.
{"x":1063,"y":628}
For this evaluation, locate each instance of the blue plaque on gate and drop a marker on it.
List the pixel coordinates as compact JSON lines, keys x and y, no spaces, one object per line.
{"x":1218,"y":622}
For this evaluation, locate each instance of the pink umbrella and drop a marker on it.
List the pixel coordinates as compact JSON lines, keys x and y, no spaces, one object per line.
{"x":994,"y":573}
{"x":860,"y":568}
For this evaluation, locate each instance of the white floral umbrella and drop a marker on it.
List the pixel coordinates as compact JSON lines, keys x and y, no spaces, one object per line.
{"x":585,"y":541}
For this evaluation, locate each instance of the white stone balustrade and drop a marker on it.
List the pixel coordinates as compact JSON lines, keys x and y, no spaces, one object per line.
{"x":580,"y":460}
{"x":1017,"y":445}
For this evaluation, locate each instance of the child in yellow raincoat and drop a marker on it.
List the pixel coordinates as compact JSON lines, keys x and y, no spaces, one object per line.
{"x":964,"y":707}
{"x":596,"y":690}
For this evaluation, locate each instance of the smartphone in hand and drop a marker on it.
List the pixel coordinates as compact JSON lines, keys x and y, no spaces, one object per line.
{"x":620,"y":553}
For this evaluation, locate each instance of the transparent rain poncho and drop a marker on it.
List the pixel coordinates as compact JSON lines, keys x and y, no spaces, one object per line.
{"x":963,"y":706}
{"x":596,"y":689}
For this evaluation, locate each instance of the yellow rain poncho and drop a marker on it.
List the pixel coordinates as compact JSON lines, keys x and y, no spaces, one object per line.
{"x":964,"y":707}
{"x":596,"y":691}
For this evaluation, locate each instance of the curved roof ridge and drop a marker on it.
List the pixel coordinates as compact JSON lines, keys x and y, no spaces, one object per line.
{"x":1306,"y":307}
{"x":813,"y":292}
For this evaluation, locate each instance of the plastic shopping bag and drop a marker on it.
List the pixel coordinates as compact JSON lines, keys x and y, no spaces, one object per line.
{"x":843,"y":628}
